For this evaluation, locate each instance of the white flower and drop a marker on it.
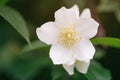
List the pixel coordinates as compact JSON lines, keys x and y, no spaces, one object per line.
{"x":69,"y":36}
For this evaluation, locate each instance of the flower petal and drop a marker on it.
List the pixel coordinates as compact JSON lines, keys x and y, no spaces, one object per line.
{"x":48,"y":33}
{"x":66,"y":17}
{"x":84,"y":50}
{"x":69,"y":69}
{"x":86,"y":13}
{"x":82,"y":66}
{"x":61,"y":55}
{"x":88,"y":27}
{"x":75,"y":9}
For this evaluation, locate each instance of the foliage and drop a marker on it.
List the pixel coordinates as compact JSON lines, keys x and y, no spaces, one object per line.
{"x":97,"y":72}
{"x":113,"y":42}
{"x":16,"y":20}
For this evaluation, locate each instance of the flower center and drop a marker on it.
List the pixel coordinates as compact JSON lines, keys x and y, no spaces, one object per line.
{"x":69,"y":36}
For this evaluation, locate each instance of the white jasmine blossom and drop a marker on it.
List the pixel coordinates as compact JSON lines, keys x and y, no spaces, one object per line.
{"x":69,"y":36}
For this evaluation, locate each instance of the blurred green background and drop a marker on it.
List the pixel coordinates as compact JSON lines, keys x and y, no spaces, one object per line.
{"x":21,"y":63}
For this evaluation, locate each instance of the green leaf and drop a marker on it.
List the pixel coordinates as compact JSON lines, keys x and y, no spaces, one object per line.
{"x":2,"y":2}
{"x":35,"y":45}
{"x":108,"y":41}
{"x":16,"y":20}
{"x":97,"y":72}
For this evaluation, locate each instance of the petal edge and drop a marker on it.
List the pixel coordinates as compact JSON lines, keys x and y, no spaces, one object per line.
{"x":48,"y":33}
{"x":82,"y":66}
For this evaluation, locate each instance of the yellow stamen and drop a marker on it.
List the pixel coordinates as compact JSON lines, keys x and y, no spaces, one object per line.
{"x":69,"y":36}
